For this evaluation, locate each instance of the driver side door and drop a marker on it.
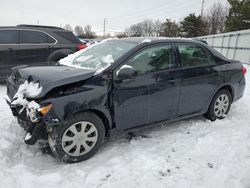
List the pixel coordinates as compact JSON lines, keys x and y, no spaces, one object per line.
{"x":152,"y":95}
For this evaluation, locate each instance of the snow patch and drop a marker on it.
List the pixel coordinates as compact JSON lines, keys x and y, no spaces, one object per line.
{"x":84,"y":58}
{"x":146,"y":41}
{"x":108,"y":59}
{"x":68,"y":61}
{"x":27,"y":90}
{"x":71,"y":57}
{"x":27,"y":136}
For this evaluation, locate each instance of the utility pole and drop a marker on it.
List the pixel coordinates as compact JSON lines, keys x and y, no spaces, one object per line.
{"x":202,"y":7}
{"x":104,"y":27}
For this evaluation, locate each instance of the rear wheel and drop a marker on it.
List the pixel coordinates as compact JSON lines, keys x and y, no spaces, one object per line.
{"x":220,"y":105}
{"x":78,"y":139}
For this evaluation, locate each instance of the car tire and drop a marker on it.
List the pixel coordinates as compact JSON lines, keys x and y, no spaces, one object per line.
{"x":220,"y":105}
{"x":78,"y":139}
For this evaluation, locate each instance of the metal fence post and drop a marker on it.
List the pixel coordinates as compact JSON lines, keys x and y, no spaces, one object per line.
{"x":236,"y":45}
{"x":222,"y":43}
{"x":228,"y":44}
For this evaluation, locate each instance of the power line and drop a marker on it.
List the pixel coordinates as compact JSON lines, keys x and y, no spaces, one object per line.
{"x":138,"y":12}
{"x":160,"y":12}
{"x":156,"y":9}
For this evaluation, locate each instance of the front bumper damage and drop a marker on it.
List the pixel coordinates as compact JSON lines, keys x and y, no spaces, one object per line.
{"x":36,"y":125}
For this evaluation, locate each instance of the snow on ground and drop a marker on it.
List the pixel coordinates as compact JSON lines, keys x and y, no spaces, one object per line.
{"x":188,"y":154}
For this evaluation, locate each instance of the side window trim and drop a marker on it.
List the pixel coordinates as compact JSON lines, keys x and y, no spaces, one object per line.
{"x":173,"y":57}
{"x":21,"y":37}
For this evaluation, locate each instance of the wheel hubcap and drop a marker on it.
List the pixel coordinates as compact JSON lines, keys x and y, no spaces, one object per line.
{"x":221,"y":105}
{"x":79,"y":138}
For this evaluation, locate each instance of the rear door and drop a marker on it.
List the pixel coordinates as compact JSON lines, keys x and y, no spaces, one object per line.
{"x":153,"y":95}
{"x":9,"y":40}
{"x":199,"y":78}
{"x":34,"y":47}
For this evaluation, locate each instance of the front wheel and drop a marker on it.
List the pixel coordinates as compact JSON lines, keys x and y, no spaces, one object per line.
{"x":78,"y":139}
{"x":220,"y":105}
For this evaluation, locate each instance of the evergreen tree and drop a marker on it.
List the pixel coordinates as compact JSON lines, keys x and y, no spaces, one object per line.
{"x":193,"y":26}
{"x":239,"y":15}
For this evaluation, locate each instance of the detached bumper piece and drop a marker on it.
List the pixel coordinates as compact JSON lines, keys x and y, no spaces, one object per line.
{"x":34,"y":132}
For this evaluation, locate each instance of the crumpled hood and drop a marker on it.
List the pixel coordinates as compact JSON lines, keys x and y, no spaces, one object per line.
{"x":50,"y":77}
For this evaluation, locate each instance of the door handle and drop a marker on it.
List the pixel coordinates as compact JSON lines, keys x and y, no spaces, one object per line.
{"x":172,"y":81}
{"x":124,"y":80}
{"x":10,"y":49}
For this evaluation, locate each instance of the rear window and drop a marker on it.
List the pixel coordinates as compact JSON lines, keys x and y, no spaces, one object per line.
{"x":35,"y":37}
{"x":68,"y":36}
{"x":8,"y":36}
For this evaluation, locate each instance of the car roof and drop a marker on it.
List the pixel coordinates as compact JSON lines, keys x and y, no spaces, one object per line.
{"x":160,"y":39}
{"x":34,"y":27}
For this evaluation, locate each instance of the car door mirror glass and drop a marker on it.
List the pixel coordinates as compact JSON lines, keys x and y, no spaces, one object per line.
{"x":126,"y":72}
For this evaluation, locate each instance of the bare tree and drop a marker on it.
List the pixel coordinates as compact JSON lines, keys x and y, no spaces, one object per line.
{"x":88,"y":33}
{"x":121,"y":34}
{"x":148,"y":27}
{"x":158,"y":27}
{"x":68,"y":27}
{"x":145,"y":28}
{"x":134,"y":30}
{"x":170,"y":29}
{"x":216,"y":18}
{"x":79,"y":31}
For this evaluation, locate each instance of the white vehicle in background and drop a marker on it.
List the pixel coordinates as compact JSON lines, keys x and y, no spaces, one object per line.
{"x":89,"y":42}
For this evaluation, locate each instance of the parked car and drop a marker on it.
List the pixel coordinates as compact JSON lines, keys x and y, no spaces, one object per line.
{"x":121,"y":85}
{"x":89,"y":42}
{"x":34,"y":45}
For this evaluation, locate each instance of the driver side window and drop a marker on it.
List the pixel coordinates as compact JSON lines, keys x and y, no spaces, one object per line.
{"x":152,"y":59}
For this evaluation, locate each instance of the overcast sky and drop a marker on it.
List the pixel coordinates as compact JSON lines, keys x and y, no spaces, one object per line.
{"x":119,"y":14}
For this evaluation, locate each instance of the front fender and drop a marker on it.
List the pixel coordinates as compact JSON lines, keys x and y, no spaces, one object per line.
{"x":92,"y":98}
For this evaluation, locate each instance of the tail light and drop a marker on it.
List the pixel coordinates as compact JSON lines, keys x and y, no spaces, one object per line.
{"x":244,"y":70}
{"x":81,"y":46}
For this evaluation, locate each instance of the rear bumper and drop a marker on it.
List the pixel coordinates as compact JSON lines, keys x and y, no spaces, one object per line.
{"x":239,"y":90}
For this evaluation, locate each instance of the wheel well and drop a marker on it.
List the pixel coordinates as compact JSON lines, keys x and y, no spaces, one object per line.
{"x":103,"y":118}
{"x":229,"y":88}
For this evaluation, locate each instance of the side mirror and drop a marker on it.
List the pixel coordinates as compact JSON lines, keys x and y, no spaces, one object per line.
{"x":126,"y":72}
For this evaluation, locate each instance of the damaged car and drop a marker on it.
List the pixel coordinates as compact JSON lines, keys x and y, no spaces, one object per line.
{"x":121,"y":85}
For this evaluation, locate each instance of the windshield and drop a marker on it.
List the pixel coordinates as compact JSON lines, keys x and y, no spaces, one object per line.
{"x":98,"y":57}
